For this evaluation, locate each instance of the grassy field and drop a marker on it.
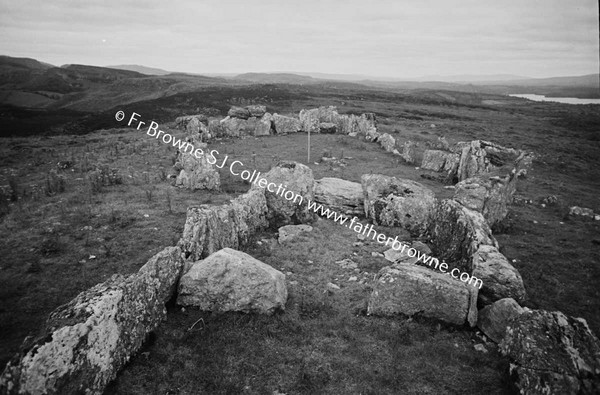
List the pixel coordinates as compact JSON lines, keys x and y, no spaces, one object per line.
{"x":59,"y":238}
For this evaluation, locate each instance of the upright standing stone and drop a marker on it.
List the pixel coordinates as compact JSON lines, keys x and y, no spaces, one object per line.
{"x":290,"y":187}
{"x":196,"y":173}
{"x":391,"y":201}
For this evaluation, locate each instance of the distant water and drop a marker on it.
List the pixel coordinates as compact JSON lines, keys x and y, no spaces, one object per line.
{"x":566,"y":100}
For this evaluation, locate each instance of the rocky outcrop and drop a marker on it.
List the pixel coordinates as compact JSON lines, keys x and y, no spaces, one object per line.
{"x":391,"y":201}
{"x":500,"y":278}
{"x":285,"y":125}
{"x":230,"y":280}
{"x":290,"y":232}
{"x":456,"y":233}
{"x":211,"y":228}
{"x":88,"y":340}
{"x":551,"y":353}
{"x":288,"y":204}
{"x":195,"y":172}
{"x":410,"y":290}
{"x":495,"y":318}
{"x":339,"y":195}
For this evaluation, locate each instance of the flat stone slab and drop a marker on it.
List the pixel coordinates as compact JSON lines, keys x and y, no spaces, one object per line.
{"x":410,"y":290}
{"x":340,"y":195}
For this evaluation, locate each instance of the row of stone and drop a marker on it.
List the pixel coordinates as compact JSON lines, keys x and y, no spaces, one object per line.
{"x":539,"y":364}
{"x":256,"y":121}
{"x":89,"y":339}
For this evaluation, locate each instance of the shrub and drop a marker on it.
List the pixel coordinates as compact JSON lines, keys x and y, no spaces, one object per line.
{"x":103,"y":176}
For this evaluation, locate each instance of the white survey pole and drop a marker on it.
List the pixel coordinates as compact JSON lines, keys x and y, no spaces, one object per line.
{"x":308,"y":162}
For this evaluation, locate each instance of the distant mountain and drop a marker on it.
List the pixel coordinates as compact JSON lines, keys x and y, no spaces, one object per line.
{"x":23,"y":63}
{"x":276,"y":78}
{"x":467,"y":78}
{"x":589,"y":80}
{"x":15,"y":71}
{"x":141,"y":69}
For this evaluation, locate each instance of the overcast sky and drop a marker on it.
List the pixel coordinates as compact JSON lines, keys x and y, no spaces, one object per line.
{"x":393,"y":38}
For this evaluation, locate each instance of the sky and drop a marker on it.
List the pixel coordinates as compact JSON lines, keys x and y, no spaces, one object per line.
{"x":392,"y":38}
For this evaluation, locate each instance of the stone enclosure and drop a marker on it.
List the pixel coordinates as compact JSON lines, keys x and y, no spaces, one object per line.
{"x":88,"y":340}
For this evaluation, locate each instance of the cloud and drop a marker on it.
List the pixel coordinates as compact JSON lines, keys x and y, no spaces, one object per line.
{"x":392,"y":38}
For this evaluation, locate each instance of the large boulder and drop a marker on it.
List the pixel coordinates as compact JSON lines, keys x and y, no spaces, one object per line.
{"x":264,"y":126}
{"x":488,"y":195}
{"x":195,"y":172}
{"x":238,"y":112}
{"x":495,"y":318}
{"x":410,"y":290}
{"x":498,"y":155}
{"x":440,"y":161}
{"x":285,"y":125}
{"x":287,"y":199}
{"x":347,"y":124}
{"x":371,"y":134}
{"x":500,"y":278}
{"x":456,"y":234}
{"x":216,"y":128}
{"x":473,"y":160}
{"x":391,"y":201}
{"x":256,"y":110}
{"x":193,"y":126}
{"x":551,"y":353}
{"x":208,"y":228}
{"x":339,"y":195}
{"x":88,"y":340}
{"x":408,"y":152}
{"x":230,"y":280}
{"x":310,"y":120}
{"x":236,"y":127}
{"x":387,"y":142}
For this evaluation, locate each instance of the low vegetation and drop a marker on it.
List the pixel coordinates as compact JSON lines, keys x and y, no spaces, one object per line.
{"x":76,"y":209}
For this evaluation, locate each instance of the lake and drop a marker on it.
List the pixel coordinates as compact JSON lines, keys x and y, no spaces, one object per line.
{"x":566,"y":100}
